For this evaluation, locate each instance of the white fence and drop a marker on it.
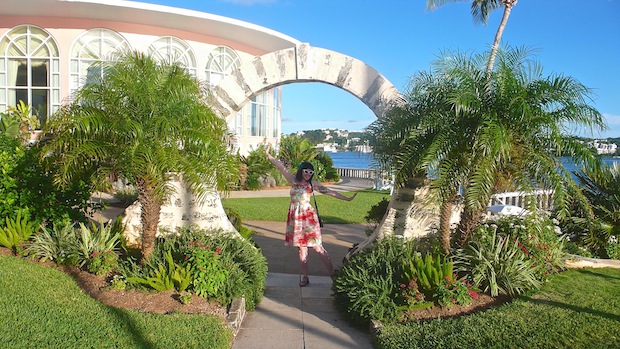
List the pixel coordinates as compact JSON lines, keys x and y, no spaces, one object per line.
{"x":381,"y":179}
{"x":544,"y":199}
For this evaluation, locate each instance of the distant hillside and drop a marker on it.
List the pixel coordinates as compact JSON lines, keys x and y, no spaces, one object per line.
{"x":341,"y":140}
{"x":344,"y":140}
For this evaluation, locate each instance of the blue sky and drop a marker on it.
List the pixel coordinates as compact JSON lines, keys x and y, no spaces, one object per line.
{"x":578,"y":38}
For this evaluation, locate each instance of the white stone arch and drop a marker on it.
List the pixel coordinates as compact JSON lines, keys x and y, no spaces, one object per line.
{"x":304,"y":63}
{"x":407,"y":215}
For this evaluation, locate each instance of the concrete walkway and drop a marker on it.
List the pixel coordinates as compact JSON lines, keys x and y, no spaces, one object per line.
{"x":290,"y":316}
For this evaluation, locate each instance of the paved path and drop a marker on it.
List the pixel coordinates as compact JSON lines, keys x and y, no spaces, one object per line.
{"x":290,"y":316}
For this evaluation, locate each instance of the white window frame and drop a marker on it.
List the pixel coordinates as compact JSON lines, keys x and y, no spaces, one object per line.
{"x":29,"y":43}
{"x":93,"y":46}
{"x":171,"y":49}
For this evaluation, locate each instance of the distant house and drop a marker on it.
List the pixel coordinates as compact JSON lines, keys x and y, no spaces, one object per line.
{"x":603,"y":147}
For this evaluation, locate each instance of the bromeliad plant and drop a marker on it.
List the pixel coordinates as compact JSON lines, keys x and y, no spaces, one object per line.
{"x":54,"y":244}
{"x":433,"y":278}
{"x":167,"y":275}
{"x":96,"y":246}
{"x":496,"y":264}
{"x":429,"y":272}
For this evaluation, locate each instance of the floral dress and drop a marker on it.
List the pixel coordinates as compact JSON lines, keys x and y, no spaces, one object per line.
{"x":302,"y":223}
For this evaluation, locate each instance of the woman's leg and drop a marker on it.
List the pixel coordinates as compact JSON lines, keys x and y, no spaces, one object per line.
{"x":325,"y":259}
{"x":303,"y":260}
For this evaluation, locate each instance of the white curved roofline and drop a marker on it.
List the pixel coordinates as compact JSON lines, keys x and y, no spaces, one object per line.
{"x":154,"y":15}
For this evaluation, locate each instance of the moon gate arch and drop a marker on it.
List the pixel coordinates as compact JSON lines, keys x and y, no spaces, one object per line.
{"x":304,"y":63}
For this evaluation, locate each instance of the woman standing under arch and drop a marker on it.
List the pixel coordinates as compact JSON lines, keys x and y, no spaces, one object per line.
{"x":302,"y":223}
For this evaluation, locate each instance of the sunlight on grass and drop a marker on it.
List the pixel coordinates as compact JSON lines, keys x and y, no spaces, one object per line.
{"x":45,"y":306}
{"x":332,"y":210}
{"x":576,"y":309}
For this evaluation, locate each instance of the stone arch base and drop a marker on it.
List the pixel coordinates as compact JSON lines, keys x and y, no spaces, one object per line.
{"x":180,"y":210}
{"x":409,"y":215}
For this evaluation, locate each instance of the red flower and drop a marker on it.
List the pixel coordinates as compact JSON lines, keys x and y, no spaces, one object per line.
{"x":473,"y":294}
{"x":218,"y":250}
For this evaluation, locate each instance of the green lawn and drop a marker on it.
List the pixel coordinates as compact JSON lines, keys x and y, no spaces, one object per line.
{"x":44,"y":308}
{"x":576,"y":309}
{"x":333,"y":211}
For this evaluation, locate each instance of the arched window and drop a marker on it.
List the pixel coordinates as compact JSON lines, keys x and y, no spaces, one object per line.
{"x":173,"y":50}
{"x":221,"y":62}
{"x":30,"y":70}
{"x":94,"y":45}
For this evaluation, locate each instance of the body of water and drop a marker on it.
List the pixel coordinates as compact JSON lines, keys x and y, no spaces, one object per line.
{"x":364,"y":160}
{"x":351,"y":159}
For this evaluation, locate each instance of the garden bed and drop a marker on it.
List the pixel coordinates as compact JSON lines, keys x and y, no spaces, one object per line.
{"x":97,"y":286}
{"x":481,"y":303}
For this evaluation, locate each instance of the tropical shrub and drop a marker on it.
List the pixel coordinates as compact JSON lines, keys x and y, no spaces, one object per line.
{"x":235,"y":219}
{"x":96,"y":246}
{"x":330,"y":173}
{"x":27,"y":186}
{"x":410,"y":296}
{"x":16,"y":232}
{"x":209,"y":272}
{"x":596,"y":231}
{"x":496,"y":264}
{"x":243,"y":266}
{"x":539,"y":239}
{"x":451,"y":291}
{"x":367,"y":286}
{"x":247,"y":267}
{"x":613,"y":247}
{"x":55,"y":244}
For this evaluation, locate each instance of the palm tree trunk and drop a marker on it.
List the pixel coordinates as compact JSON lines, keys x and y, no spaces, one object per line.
{"x":444,"y":224}
{"x":470,"y":220}
{"x":508,"y":4}
{"x":149,"y":218}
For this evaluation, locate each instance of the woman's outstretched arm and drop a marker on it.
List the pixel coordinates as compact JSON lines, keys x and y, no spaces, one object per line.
{"x":279,"y":165}
{"x":326,"y":191}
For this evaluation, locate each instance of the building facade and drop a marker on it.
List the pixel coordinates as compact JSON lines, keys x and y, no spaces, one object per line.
{"x":48,"y":50}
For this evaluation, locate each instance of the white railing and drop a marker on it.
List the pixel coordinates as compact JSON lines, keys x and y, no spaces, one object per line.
{"x":381,"y":179}
{"x":544,"y":199}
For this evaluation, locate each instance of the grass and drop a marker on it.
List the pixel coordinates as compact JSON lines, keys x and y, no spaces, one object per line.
{"x":576,"y":309}
{"x":332,"y":210}
{"x":44,"y":308}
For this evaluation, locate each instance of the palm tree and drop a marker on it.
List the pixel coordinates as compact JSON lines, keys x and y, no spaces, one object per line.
{"x":414,"y":140}
{"x":295,"y":149}
{"x":480,"y":11}
{"x":601,"y":186}
{"x":146,"y":121}
{"x":483,"y":128}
